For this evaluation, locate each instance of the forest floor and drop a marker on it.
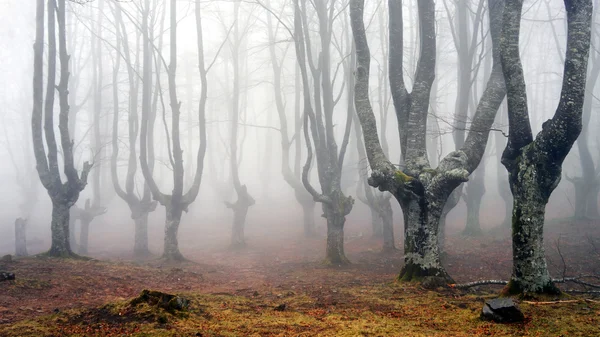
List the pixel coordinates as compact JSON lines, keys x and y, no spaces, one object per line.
{"x":277,"y":289}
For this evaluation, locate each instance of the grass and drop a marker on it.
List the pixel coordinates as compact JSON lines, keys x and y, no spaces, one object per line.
{"x":384,"y":310}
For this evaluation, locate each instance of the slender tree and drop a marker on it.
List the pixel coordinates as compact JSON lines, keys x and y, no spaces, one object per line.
{"x":177,"y":202}
{"x":534,"y":165}
{"x":63,"y":194}
{"x":329,"y":160}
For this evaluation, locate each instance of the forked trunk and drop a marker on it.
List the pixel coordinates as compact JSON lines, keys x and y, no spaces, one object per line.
{"x":171,"y":247}
{"x":308,"y":211}
{"x":61,"y":246}
{"x":530,"y":272}
{"x":335,"y":237}
{"x":140,"y":246}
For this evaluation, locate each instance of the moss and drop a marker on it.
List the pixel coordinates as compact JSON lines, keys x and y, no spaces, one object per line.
{"x":402,"y":177}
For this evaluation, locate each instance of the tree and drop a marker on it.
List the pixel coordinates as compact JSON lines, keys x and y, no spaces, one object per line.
{"x":329,"y":160}
{"x":63,"y":194}
{"x":534,"y":165}
{"x":420,"y":190}
{"x":587,"y":185}
{"x":140,"y":207}
{"x":292,"y":178}
{"x":244,"y":199}
{"x":177,"y":202}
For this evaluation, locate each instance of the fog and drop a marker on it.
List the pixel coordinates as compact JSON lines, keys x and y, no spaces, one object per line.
{"x":277,"y":215}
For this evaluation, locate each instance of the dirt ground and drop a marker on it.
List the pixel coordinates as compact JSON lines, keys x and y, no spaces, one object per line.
{"x":239,"y":289}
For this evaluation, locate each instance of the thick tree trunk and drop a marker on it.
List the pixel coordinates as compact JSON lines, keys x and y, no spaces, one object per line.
{"x":530,"y":272}
{"x":20,"y":237}
{"x":61,"y":246}
{"x":387,"y":219}
{"x":421,"y":253}
{"x":140,"y":246}
{"x":308,"y":212}
{"x":335,"y":237}
{"x":171,"y":246}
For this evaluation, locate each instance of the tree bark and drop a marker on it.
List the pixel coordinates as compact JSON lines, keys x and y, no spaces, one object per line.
{"x":308,"y":213}
{"x":335,"y":254}
{"x":61,"y":246}
{"x":475,"y":191}
{"x":387,"y":223}
{"x":21,"y":237}
{"x":140,"y":246}
{"x":171,"y":244}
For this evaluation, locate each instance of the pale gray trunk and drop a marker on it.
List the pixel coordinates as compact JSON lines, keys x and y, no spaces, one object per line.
{"x":21,"y":237}
{"x":60,"y":230}
{"x":530,"y":272}
{"x":387,"y":222}
{"x":171,"y":245}
{"x":376,"y":223}
{"x":421,"y":253}
{"x":335,"y":254}
{"x":140,"y":247}
{"x":308,"y":212}
{"x":237,"y":231}
{"x":475,"y":190}
{"x":84,"y":235}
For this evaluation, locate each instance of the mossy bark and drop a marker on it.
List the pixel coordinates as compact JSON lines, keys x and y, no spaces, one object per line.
{"x":530,"y":272}
{"x":421,"y":252}
{"x":334,"y":253}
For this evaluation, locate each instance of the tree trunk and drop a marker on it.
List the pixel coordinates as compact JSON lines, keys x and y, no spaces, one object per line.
{"x":335,"y":237}
{"x":376,"y":223}
{"x":20,"y":237}
{"x":84,"y":235}
{"x":171,"y":246}
{"x":387,"y":219}
{"x":421,"y":253}
{"x":475,"y":190}
{"x":592,"y":203}
{"x":530,"y":272}
{"x":238,"y":240}
{"x":308,"y":211}
{"x":61,"y":246}
{"x":140,"y":247}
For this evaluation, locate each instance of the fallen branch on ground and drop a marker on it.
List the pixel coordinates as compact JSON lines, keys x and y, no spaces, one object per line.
{"x":477,"y":283}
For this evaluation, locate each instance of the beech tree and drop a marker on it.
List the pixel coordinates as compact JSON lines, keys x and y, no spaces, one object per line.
{"x":63,"y":194}
{"x":177,"y":202}
{"x":329,"y":159}
{"x":420,"y":189}
{"x":140,"y":206}
{"x":535,"y":165}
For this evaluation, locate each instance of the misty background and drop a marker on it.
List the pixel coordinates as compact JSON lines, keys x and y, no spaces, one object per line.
{"x":277,"y":214}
